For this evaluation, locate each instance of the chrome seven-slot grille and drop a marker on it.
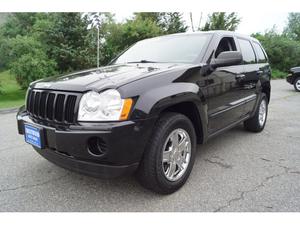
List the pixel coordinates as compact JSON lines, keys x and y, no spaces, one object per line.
{"x":52,"y":106}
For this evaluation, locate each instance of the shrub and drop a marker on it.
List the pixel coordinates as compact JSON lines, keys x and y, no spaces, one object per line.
{"x":277,"y":74}
{"x":27,"y":59}
{"x":31,"y":67}
{"x":283,"y":52}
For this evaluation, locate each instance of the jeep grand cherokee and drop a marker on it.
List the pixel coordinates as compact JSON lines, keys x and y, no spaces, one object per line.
{"x":148,"y":109}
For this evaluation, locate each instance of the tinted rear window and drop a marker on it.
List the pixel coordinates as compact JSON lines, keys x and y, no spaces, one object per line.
{"x":260,"y":53}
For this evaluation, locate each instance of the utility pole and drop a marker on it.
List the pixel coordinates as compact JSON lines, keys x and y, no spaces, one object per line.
{"x":192,"y":23}
{"x":199,"y":26}
{"x":96,"y":20}
{"x":98,"y":47}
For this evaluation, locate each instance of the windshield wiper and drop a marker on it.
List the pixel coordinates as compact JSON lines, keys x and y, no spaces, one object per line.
{"x":143,"y":61}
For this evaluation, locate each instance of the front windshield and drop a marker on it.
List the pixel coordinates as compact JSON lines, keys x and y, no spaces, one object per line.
{"x":174,"y":49}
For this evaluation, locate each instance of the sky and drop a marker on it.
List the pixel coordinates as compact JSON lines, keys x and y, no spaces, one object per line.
{"x":250,"y":22}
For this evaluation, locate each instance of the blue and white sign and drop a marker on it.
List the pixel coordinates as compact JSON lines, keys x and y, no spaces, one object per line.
{"x":33,"y":135}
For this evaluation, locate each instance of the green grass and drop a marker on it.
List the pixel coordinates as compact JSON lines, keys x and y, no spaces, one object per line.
{"x":11,"y":94}
{"x":277,"y":74}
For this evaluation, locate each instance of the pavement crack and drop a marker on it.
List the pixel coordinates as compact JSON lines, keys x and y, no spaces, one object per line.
{"x":230,"y":201}
{"x":267,"y":160}
{"x":295,"y":172}
{"x":219,"y":163}
{"x":34,"y":185}
{"x":257,"y":187}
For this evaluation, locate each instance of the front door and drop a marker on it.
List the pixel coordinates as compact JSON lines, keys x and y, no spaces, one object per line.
{"x":224,"y":90}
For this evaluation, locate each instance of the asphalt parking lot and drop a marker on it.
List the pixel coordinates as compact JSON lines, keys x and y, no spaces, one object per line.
{"x":236,"y":171}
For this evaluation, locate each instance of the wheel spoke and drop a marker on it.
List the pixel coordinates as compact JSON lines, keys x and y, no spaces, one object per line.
{"x":172,"y":169}
{"x":167,"y":156}
{"x":181,"y":162}
{"x":182,"y":147}
{"x":174,"y":140}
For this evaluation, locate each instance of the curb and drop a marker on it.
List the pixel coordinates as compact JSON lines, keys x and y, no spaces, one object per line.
{"x":9,"y":110}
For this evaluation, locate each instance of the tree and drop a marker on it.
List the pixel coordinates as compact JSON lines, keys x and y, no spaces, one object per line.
{"x":3,"y":18}
{"x":20,"y":23}
{"x":292,"y":29}
{"x":66,"y":41}
{"x":168,"y":22}
{"x":120,"y":36}
{"x":28,"y":61}
{"x":222,"y":21}
{"x":32,"y":67}
{"x":173,"y":23}
{"x":61,"y":42}
{"x":283,"y":52}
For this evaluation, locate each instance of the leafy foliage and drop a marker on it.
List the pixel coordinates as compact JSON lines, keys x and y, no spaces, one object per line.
{"x":292,"y":29}
{"x":222,"y":21}
{"x":40,"y":44}
{"x":168,"y":22}
{"x":283,"y":52}
{"x":27,"y":59}
{"x":119,"y":36}
{"x":36,"y":45}
{"x":66,"y":41}
{"x":3,"y":18}
{"x":30,"y":67}
{"x":20,"y":23}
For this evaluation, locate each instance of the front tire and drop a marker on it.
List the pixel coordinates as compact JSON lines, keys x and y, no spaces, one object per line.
{"x":258,"y":121}
{"x":297,"y":84}
{"x":170,"y":154}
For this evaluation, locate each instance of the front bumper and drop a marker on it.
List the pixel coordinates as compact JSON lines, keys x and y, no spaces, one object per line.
{"x":290,"y":78}
{"x":122,"y":145}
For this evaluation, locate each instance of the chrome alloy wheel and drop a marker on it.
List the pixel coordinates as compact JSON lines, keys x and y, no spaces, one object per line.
{"x":262,"y":112}
{"x":176,"y":154}
{"x":297,"y":85}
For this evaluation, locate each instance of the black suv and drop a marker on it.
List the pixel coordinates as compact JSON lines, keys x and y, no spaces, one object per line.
{"x":294,"y":78}
{"x":147,"y":111}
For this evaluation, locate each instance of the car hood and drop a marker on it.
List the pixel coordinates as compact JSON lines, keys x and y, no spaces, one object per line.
{"x":104,"y":77}
{"x":295,"y":69}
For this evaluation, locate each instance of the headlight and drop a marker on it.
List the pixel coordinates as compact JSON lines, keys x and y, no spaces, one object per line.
{"x":105,"y":106}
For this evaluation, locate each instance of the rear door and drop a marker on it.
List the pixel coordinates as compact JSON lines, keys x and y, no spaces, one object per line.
{"x":249,"y":82}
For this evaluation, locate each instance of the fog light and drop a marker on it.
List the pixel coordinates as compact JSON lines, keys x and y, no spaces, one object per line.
{"x":96,"y":146}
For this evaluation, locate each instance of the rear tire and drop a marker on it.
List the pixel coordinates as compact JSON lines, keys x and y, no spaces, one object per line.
{"x":258,"y":121}
{"x":297,"y":84}
{"x":169,"y":156}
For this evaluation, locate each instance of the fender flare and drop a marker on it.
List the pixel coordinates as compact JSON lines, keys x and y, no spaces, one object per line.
{"x":155,"y":101}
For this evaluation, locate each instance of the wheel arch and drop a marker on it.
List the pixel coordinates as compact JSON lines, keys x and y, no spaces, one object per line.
{"x":266,"y":88}
{"x":177,"y":97}
{"x":191,"y":111}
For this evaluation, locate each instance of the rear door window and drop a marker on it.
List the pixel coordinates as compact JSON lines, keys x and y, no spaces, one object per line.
{"x":247,"y":51}
{"x":261,"y":57}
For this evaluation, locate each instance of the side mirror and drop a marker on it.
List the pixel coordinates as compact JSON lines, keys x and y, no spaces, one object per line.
{"x":228,"y":58}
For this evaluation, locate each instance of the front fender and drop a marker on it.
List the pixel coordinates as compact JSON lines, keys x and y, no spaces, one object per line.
{"x":153,"y":102}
